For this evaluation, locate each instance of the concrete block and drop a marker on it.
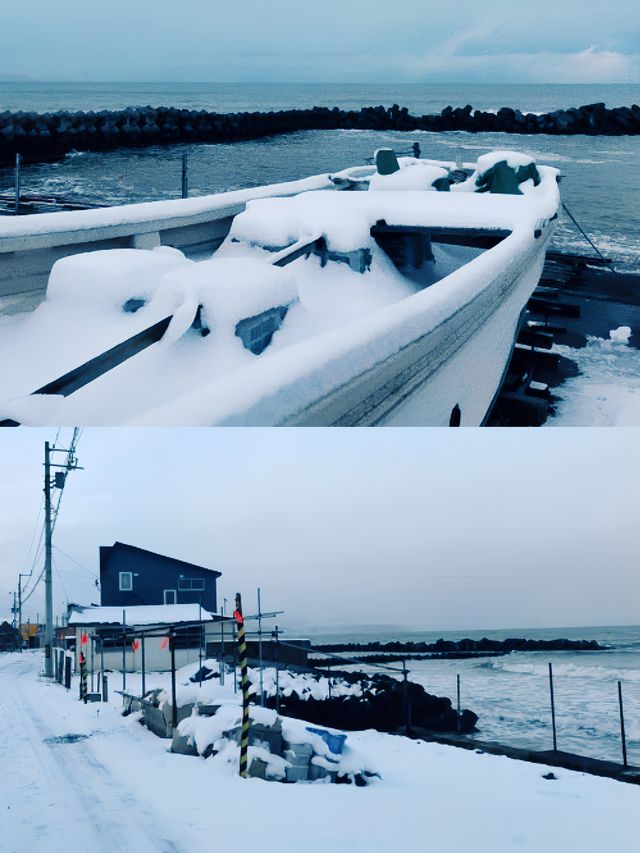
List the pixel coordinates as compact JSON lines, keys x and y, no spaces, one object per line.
{"x":258,"y":769}
{"x":181,"y":744}
{"x":297,"y":774}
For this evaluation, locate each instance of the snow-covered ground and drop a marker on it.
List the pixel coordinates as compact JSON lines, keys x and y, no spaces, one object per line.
{"x":606,"y":392}
{"x":119,"y":789}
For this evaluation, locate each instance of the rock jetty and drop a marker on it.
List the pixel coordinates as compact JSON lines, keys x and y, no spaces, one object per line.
{"x":382,"y":706}
{"x":49,"y":136}
{"x":484,"y":645}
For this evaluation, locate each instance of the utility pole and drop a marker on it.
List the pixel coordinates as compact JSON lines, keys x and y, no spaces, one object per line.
{"x":58,"y":482}
{"x":20,"y":576}
{"x":48,"y":583}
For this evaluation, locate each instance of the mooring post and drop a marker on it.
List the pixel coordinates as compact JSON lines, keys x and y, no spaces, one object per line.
{"x":174,"y":700}
{"x":244,"y":675}
{"x":622,"y":734}
{"x":17,"y":197}
{"x":144,"y":674}
{"x":458,"y":693}
{"x":416,"y":150}
{"x":185,"y":175}
{"x":553,"y":708}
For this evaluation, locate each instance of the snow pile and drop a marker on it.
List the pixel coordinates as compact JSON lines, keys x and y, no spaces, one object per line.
{"x":415,"y":175}
{"x":307,"y":686}
{"x":105,"y":280}
{"x":513,"y":159}
{"x":606,"y":392}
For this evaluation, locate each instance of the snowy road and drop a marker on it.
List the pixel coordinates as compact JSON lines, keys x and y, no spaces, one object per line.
{"x":118,"y":789}
{"x":60,"y":794}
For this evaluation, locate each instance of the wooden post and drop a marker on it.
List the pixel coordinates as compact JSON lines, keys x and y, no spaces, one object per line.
{"x":622,"y":733}
{"x":242,"y":651}
{"x":17,"y":187}
{"x":458,"y":694}
{"x":553,"y":709}
{"x":185,"y":175}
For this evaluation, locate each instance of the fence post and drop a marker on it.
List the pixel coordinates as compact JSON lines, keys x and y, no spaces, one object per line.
{"x":407,"y":705}
{"x":458,"y":706}
{"x":553,"y":709}
{"x":622,"y":734}
{"x":277,"y":670}
{"x":174,"y":698}
{"x":144,"y":672}
{"x":185,"y":175}
{"x":242,"y":650}
{"x":124,"y":652}
{"x":17,"y":186}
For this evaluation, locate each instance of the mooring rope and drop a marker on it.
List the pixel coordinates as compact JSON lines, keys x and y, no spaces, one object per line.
{"x":587,"y":238}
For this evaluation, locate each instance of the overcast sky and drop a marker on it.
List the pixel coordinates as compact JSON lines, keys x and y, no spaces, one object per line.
{"x":575,"y":41}
{"x":430,"y":529}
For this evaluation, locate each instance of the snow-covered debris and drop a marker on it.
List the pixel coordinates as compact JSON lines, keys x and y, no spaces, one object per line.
{"x":415,"y":175}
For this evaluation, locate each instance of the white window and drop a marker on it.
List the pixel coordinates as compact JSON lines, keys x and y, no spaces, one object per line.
{"x":170,"y":596}
{"x":190,"y":584}
{"x":126,"y":581}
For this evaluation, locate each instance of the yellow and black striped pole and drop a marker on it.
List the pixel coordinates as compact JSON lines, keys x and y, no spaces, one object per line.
{"x":83,"y":678}
{"x":244,"y":678}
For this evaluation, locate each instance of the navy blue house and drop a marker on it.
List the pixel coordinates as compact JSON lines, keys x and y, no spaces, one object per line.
{"x":131,"y":576}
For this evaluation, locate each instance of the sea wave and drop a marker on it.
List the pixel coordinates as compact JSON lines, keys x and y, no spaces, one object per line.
{"x":567,"y":670}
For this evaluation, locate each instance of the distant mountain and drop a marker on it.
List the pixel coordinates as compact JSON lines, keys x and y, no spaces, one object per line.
{"x":6,"y":77}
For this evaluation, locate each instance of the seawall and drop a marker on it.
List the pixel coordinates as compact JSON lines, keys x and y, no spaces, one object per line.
{"x":49,"y":136}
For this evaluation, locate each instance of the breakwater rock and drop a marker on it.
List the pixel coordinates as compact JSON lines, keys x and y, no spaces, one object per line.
{"x":467,"y":646}
{"x":381,"y":706}
{"x":48,"y":136}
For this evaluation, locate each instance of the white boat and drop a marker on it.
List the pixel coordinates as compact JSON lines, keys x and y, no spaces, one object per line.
{"x":362,"y":298}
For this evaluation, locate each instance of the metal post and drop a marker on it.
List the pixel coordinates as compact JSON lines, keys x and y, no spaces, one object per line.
{"x":234,"y":639}
{"x":458,"y":693}
{"x":242,"y":649}
{"x":221,"y":646}
{"x":260,"y":649}
{"x":105,"y":688}
{"x":48,"y":580}
{"x":174,"y":701}
{"x":17,"y":190}
{"x":407,"y":706}
{"x":143,"y":665}
{"x":277,"y":633}
{"x":622,"y":734}
{"x":553,"y":708}
{"x":185,"y":176}
{"x":93,"y":640}
{"x":200,"y":646}
{"x":124,"y":652}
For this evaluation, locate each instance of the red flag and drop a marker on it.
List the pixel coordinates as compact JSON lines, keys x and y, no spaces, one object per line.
{"x":164,"y":642}
{"x":238,"y":617}
{"x":135,"y":645}
{"x":84,"y":639}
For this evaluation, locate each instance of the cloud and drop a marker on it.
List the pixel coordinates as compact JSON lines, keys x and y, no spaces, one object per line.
{"x":591,"y":65}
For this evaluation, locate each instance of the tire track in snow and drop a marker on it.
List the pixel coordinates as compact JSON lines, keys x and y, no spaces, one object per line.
{"x":84,"y":804}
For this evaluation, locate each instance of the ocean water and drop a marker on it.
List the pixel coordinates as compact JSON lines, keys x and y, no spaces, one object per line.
{"x":510,"y":693}
{"x":600,"y":186}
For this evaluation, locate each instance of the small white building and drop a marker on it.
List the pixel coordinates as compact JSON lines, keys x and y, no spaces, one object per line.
{"x":142,"y":629}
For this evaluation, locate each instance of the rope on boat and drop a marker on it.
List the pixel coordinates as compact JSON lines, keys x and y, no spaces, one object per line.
{"x":587,"y":238}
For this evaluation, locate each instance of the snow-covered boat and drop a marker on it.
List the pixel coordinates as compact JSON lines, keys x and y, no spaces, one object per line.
{"x":395,"y":301}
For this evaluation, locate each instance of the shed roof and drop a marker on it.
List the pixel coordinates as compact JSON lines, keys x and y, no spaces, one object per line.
{"x":142,"y":614}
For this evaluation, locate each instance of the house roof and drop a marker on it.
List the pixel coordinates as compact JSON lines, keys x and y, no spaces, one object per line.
{"x":139,"y":615}
{"x":135,"y":548}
